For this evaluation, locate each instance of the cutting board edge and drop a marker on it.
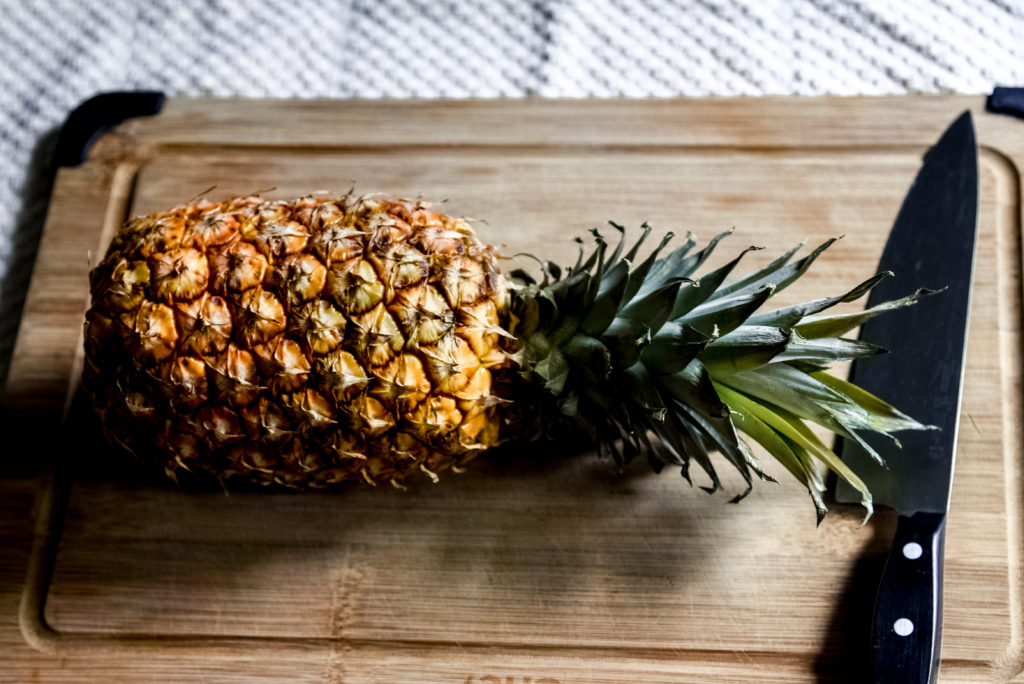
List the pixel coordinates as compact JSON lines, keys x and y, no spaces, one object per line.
{"x":1011,"y":158}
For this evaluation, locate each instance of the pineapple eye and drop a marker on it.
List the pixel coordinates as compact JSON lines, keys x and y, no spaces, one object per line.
{"x":441,"y":241}
{"x":463,"y":281}
{"x":262,"y":317}
{"x":326,"y":215}
{"x":240,"y":367}
{"x":401,"y":267}
{"x":471,"y":428}
{"x":338,"y":243}
{"x":402,"y":382}
{"x":153,"y":331}
{"x":234,"y":377}
{"x":479,"y":325}
{"x":205,"y":325}
{"x":377,"y":333}
{"x":299,"y":278}
{"x":369,"y":415}
{"x":319,"y":324}
{"x":478,"y":387}
{"x":179,"y":274}
{"x":309,"y":408}
{"x":214,"y":228}
{"x":159,"y":234}
{"x":286,"y":367}
{"x":128,"y":285}
{"x":354,"y":286}
{"x":340,"y":375}
{"x":278,"y":238}
{"x":238,"y":268}
{"x":451,"y":363}
{"x":433,"y":417}
{"x":346,"y":446}
{"x":386,"y":230}
{"x":266,"y":421}
{"x":220,"y":425}
{"x":188,"y":373}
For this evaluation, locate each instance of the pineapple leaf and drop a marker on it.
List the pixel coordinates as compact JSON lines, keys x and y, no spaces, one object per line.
{"x":703,"y":289}
{"x":782,"y":277}
{"x":678,"y":435}
{"x":570,"y":295}
{"x":643,"y":391}
{"x":606,"y":305}
{"x":588,"y":356}
{"x":839,"y":324}
{"x":626,"y":339}
{"x":695,"y":397}
{"x":653,"y":308}
{"x":812,"y":399}
{"x":629,"y":350}
{"x":745,"y":348}
{"x":554,"y":369}
{"x":784,"y":450}
{"x":614,"y":257}
{"x":726,"y":313}
{"x":631,"y":254}
{"x":791,"y":427}
{"x":595,"y":256}
{"x":569,"y":404}
{"x":828,"y":349}
{"x":782,"y":385}
{"x":673,"y":348}
{"x":790,"y":316}
{"x":690,"y":265}
{"x":763,"y":274}
{"x":680,"y":263}
{"x":614,"y":280}
{"x":579,"y":257}
{"x":882,"y":416}
{"x":521,"y":277}
{"x":552,"y":272}
{"x":639,"y":283}
{"x":595,"y":278}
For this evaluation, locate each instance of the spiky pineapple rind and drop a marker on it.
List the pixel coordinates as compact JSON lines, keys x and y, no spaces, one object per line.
{"x":298,"y":343}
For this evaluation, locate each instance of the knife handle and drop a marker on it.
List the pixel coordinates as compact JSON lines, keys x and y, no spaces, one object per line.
{"x":908,"y":611}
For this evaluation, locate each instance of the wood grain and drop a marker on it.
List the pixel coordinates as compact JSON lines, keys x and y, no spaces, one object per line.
{"x":534,"y":567}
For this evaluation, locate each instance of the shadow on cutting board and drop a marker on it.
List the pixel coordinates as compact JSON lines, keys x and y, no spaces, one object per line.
{"x":846,"y":655}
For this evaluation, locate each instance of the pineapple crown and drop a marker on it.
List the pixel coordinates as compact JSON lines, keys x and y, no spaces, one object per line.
{"x":629,"y":349}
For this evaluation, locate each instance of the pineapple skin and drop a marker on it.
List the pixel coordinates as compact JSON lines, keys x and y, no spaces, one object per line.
{"x":300,"y":343}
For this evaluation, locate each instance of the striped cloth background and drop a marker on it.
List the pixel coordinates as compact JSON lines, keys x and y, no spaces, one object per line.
{"x":55,"y":53}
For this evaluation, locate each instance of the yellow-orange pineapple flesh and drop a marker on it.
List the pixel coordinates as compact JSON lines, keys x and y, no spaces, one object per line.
{"x":301,"y":343}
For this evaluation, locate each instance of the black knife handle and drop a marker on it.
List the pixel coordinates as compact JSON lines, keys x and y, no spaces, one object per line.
{"x":908,"y":612}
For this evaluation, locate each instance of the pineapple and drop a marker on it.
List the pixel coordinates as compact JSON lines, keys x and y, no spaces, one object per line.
{"x":312,"y":342}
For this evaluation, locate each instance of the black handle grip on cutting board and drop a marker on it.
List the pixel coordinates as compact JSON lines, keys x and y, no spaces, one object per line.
{"x":1008,"y":101}
{"x":907,"y":626}
{"x":97,"y":114}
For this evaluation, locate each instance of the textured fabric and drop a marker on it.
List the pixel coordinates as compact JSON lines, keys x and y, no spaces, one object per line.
{"x":55,"y":53}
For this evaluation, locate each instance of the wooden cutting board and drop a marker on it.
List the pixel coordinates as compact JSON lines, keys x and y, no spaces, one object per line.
{"x":537,"y":569}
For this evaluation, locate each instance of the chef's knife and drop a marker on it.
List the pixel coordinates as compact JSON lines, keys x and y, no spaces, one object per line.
{"x":931,"y":246}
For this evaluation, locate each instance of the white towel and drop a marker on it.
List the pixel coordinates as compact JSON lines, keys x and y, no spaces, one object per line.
{"x":55,"y":53}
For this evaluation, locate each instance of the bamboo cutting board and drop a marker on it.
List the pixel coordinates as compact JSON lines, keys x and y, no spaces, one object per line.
{"x":534,"y":568}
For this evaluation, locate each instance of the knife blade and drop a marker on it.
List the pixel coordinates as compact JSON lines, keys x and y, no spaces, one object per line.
{"x":931,"y":245}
